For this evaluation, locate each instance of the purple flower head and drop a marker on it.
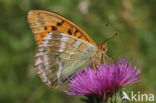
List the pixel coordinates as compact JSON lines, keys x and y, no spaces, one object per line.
{"x":105,"y":81}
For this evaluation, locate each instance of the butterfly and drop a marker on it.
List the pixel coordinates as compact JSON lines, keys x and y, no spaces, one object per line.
{"x":62,"y":47}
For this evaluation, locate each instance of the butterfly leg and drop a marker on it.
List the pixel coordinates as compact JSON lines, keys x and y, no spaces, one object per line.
{"x":94,"y":65}
{"x":107,"y":57}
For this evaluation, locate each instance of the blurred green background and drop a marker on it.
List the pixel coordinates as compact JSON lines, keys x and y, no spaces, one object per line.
{"x":134,"y":20}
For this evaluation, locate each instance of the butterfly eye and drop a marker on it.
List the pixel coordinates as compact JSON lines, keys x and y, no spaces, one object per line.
{"x":104,"y":47}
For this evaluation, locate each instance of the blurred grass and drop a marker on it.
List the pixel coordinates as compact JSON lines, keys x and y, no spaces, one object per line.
{"x":133,"y":20}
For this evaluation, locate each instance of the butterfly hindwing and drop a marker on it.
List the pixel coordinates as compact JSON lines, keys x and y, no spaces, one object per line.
{"x":42,"y":22}
{"x":60,"y":55}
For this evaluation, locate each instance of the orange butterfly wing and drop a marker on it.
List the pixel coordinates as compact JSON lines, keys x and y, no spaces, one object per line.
{"x":42,"y":22}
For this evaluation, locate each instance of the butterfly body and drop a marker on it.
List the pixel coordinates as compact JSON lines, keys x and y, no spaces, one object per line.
{"x":62,"y":47}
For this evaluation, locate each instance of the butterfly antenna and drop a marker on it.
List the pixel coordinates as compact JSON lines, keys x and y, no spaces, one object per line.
{"x":107,"y":25}
{"x":111,"y":37}
{"x":106,"y":30}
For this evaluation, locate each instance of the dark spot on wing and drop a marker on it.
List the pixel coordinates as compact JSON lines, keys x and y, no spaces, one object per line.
{"x":60,"y":23}
{"x":53,"y":28}
{"x":76,"y":31}
{"x":45,"y":28}
{"x":70,"y":31}
{"x":80,"y":36}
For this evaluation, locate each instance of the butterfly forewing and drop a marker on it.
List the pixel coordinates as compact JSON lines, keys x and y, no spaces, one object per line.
{"x":60,"y":55}
{"x":42,"y":22}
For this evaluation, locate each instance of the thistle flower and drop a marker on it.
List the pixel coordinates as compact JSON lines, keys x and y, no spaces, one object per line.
{"x":105,"y":81}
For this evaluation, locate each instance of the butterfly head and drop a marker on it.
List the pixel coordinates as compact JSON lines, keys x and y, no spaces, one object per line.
{"x":103,"y":46}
